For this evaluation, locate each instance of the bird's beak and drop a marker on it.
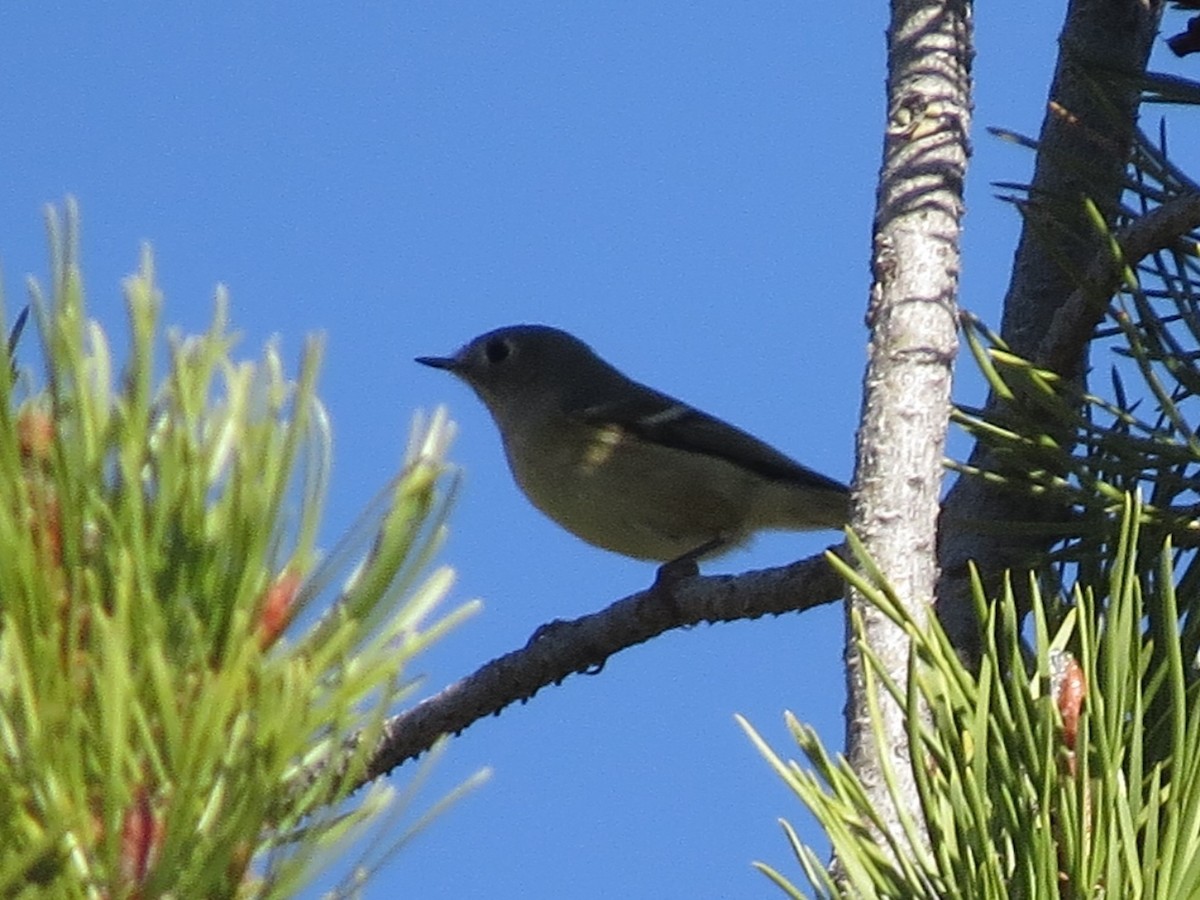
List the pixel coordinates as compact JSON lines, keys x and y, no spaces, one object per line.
{"x":449,"y":363}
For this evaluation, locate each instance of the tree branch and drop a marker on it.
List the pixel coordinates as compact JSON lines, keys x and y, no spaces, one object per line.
{"x":1064,"y":347}
{"x":1083,"y":149}
{"x":583,"y":645}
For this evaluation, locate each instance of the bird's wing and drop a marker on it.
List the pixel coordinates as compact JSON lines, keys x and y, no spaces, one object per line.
{"x":672,"y":423}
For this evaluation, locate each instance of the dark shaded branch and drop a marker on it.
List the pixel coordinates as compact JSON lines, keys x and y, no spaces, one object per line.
{"x":1064,"y":347}
{"x":1083,"y":149}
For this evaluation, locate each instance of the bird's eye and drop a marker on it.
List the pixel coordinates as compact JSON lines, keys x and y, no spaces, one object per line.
{"x":497,"y":350}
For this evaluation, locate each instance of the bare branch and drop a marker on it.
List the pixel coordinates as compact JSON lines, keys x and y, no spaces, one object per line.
{"x":583,"y":645}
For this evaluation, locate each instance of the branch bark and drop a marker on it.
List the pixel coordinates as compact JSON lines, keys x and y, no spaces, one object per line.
{"x":914,"y":339}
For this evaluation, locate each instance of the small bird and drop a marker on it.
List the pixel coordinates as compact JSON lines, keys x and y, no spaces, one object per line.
{"x":625,"y":467}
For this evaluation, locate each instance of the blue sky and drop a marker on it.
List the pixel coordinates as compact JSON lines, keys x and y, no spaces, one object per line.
{"x":687,"y":186}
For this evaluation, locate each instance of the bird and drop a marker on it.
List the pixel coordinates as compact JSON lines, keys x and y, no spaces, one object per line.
{"x":625,"y":467}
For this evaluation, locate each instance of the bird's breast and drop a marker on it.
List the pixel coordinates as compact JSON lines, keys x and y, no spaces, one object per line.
{"x":610,"y":489}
